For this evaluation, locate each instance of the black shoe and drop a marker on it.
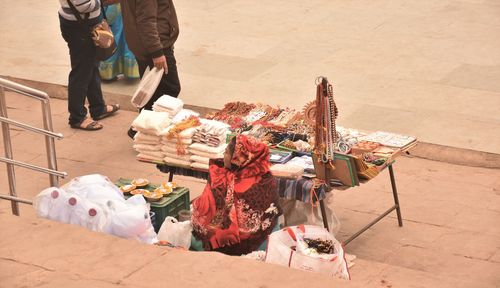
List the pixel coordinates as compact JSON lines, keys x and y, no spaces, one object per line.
{"x":131,"y":133}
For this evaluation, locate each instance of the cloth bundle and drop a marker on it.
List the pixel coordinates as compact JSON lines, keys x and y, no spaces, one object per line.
{"x":183,"y":115}
{"x":151,"y":122}
{"x":211,"y":132}
{"x":175,"y":149}
{"x":168,"y":104}
{"x":148,"y":146}
{"x":147,"y":141}
{"x":202,"y":153}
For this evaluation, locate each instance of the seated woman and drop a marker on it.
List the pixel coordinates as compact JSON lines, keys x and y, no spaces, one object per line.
{"x":239,"y":206}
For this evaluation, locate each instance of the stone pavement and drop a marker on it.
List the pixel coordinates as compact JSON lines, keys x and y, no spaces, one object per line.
{"x":450,"y":236}
{"x":423,"y":68}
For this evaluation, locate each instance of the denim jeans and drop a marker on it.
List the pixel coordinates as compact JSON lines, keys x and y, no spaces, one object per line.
{"x":84,"y":81}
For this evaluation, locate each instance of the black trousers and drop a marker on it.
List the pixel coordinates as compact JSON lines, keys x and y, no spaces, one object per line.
{"x":84,"y":81}
{"x":169,"y":84}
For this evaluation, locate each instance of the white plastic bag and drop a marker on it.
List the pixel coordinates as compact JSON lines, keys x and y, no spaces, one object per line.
{"x":296,"y":212}
{"x":283,"y":249}
{"x":147,"y":87}
{"x":175,"y":232}
{"x":95,"y":203}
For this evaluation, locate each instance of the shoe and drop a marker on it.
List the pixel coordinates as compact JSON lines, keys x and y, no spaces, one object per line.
{"x":115,"y":107}
{"x":131,"y":133}
{"x":92,"y":126}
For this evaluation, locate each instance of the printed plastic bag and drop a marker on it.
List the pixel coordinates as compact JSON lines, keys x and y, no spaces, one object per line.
{"x":286,"y":247}
{"x":175,"y":232}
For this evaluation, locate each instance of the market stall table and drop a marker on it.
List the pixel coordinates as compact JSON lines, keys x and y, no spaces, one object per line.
{"x":302,"y":189}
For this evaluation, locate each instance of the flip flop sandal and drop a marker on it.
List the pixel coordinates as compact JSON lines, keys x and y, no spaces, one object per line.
{"x":115,"y":108}
{"x":92,"y":126}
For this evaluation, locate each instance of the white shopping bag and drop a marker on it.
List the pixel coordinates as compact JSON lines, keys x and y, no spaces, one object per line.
{"x":175,"y":232}
{"x":284,"y":249}
{"x":147,"y":87}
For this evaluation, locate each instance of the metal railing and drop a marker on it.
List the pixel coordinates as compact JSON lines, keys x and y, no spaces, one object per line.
{"x":47,"y":131}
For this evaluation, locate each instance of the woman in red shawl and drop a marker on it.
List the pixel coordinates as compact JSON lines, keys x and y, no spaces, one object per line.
{"x":239,"y":206}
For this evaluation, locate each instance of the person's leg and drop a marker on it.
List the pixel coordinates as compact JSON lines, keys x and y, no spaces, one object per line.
{"x":97,"y":106}
{"x":169,"y":84}
{"x":78,"y":81}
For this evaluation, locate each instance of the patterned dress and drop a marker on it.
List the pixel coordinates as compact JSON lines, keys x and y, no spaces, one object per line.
{"x":239,"y":207}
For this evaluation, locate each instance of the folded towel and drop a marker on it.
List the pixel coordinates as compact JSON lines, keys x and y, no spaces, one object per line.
{"x":174,"y":155}
{"x":155,"y":154}
{"x":177,"y":162}
{"x":201,"y":166}
{"x":151,"y":121}
{"x":199,"y":159}
{"x":184,"y":114}
{"x":140,"y":137}
{"x":205,"y":154}
{"x":169,"y":102}
{"x":184,"y":141}
{"x":205,"y":148}
{"x":149,"y":158}
{"x":146,"y":147}
{"x":185,"y":134}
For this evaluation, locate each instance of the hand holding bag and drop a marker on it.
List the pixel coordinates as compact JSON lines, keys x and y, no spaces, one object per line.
{"x":101,"y":34}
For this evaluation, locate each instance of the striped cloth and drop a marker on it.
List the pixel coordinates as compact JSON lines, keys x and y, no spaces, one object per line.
{"x":93,"y":7}
{"x":297,"y":189}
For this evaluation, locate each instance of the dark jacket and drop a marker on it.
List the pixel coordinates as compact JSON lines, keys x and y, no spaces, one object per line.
{"x":150,"y":26}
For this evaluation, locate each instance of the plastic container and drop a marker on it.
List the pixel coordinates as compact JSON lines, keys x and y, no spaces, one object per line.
{"x":170,"y":206}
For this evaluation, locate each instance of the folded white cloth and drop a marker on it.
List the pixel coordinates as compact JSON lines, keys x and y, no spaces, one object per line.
{"x":184,"y":141}
{"x":205,"y":154}
{"x":174,"y":155}
{"x":146,"y":147}
{"x":150,"y":121}
{"x":175,"y":161}
{"x":150,"y":158}
{"x":199,"y":159}
{"x":184,"y":114}
{"x":143,"y":142}
{"x":143,"y":137}
{"x":201,"y":166}
{"x":185,"y":134}
{"x":168,"y":149}
{"x":208,"y":149}
{"x":170,"y":103}
{"x":155,"y":154}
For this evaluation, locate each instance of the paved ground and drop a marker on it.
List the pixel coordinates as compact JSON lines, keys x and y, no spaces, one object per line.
{"x":451,"y":213}
{"x":422,"y":68}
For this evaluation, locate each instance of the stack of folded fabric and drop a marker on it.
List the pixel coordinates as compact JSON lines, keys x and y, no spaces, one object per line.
{"x":211,"y":132}
{"x":202,"y":153}
{"x":168,"y":104}
{"x":176,"y":139}
{"x":183,"y":115}
{"x":147,"y":142}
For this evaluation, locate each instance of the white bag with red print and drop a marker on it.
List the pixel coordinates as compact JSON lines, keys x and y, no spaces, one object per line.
{"x":285,"y":247}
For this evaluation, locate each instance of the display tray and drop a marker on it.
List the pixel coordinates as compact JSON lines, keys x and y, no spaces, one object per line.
{"x":151,"y":187}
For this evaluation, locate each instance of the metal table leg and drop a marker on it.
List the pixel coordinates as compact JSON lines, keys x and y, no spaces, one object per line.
{"x":323,"y":214}
{"x":395,"y":194}
{"x":394,"y":207}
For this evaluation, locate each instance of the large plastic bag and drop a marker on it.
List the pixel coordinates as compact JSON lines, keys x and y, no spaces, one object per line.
{"x":94,"y":202}
{"x":131,"y":220}
{"x":147,"y":87}
{"x":286,"y":248}
{"x":175,"y":232}
{"x":296,"y":212}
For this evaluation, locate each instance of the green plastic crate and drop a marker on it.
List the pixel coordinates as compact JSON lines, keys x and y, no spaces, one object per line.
{"x":170,"y":205}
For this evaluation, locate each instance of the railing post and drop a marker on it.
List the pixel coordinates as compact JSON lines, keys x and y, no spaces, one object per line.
{"x":8,"y":152}
{"x":49,"y":143}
